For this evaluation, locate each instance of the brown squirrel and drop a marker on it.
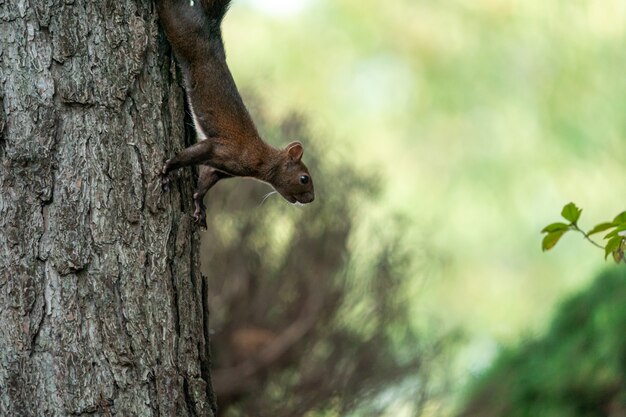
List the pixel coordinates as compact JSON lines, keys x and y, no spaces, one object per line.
{"x":229,"y":144}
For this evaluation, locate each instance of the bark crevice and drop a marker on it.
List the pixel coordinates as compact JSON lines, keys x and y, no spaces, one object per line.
{"x":205,"y":346}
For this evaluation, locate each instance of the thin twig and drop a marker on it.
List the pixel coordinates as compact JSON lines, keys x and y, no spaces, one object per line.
{"x":587,"y":237}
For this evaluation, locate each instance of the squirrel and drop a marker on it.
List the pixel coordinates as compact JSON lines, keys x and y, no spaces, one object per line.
{"x":228,"y":143}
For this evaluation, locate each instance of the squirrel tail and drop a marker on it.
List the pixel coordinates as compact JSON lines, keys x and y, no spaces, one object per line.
{"x":189,"y":23}
{"x":215,"y":9}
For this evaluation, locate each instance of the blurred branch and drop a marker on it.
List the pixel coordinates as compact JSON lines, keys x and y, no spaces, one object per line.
{"x":233,"y":380}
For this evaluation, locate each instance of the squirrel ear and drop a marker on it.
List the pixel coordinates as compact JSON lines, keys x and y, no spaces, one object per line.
{"x":295,"y":151}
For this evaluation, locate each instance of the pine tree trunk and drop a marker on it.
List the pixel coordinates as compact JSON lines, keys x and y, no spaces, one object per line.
{"x":102,"y":305}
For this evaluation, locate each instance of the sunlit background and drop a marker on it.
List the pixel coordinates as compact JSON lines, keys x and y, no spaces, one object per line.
{"x":479,"y":119}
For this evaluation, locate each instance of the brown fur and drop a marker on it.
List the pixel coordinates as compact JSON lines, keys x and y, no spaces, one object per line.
{"x":233,"y":146}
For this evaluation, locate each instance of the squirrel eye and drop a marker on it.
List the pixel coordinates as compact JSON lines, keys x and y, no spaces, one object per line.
{"x":304,"y":179}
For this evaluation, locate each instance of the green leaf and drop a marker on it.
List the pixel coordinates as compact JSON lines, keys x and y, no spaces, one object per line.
{"x":615,"y":232}
{"x":571,"y":212}
{"x":600,"y":228}
{"x":620,"y":218}
{"x":555,"y":227}
{"x":612,"y":245}
{"x":551,"y":239}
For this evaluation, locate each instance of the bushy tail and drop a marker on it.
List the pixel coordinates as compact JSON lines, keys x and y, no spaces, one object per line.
{"x":215,"y":9}
{"x":190,"y":24}
{"x":193,"y":12}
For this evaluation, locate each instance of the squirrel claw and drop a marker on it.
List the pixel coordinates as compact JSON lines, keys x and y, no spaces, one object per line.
{"x":200,"y":218}
{"x":165,"y":182}
{"x":199,"y":215}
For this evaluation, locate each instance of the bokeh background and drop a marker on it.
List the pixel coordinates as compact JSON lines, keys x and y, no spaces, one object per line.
{"x":442,"y":137}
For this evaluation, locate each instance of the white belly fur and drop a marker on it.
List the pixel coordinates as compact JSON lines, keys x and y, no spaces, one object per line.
{"x":199,"y":132}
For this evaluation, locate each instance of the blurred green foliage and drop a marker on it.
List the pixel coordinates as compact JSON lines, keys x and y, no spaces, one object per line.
{"x":478,"y":117}
{"x":482,"y":116}
{"x":576,"y":370}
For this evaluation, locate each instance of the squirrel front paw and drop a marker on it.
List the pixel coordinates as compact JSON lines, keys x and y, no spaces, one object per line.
{"x":165,"y":180}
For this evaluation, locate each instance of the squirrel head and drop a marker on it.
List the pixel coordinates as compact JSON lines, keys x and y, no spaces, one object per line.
{"x":291,"y":177}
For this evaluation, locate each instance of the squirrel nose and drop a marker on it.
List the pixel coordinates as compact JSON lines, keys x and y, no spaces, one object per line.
{"x":308,"y":197}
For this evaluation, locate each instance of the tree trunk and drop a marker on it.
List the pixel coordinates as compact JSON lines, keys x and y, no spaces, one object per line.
{"x":102,"y":306}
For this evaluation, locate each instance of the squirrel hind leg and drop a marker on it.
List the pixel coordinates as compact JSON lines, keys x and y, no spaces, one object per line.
{"x":208,"y":177}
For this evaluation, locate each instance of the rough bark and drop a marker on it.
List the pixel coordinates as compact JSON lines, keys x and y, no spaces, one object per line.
{"x":102,"y":306}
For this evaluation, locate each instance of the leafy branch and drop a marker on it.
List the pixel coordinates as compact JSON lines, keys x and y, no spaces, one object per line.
{"x":614,"y":240}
